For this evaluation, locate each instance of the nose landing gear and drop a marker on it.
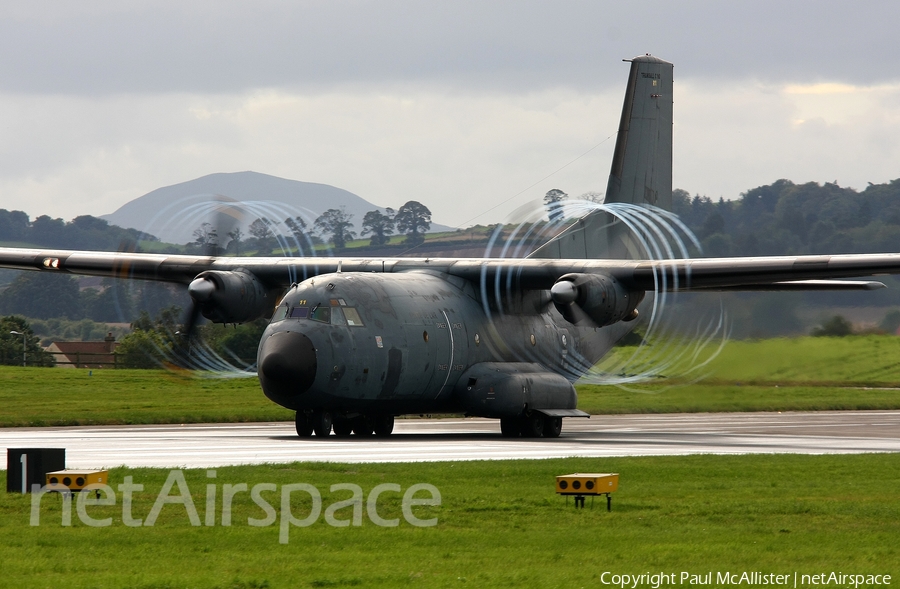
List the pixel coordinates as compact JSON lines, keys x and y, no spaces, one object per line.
{"x":322,"y":422}
{"x":317,"y":421}
{"x":303,"y":423}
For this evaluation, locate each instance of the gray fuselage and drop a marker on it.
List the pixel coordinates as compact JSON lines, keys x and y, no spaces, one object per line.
{"x":356,"y":342}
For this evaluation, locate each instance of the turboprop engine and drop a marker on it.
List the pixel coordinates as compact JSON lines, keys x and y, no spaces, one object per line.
{"x":230,"y":296}
{"x":584,"y":299}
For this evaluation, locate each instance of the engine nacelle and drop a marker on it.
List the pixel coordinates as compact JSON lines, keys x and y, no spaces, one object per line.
{"x":505,"y":389}
{"x":597,"y":297}
{"x":230,"y":296}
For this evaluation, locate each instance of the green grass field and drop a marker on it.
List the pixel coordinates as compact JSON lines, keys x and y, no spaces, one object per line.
{"x":60,"y":396}
{"x":500,"y":524}
{"x":860,"y":372}
{"x":785,"y":374}
{"x":860,"y":360}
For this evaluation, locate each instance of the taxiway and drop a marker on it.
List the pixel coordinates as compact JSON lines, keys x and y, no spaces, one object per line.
{"x":211,"y":445}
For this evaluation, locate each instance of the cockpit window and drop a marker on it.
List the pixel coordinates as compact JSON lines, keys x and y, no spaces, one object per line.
{"x":353,"y":318}
{"x":335,"y":315}
{"x":280,"y":313}
{"x":321,"y":314}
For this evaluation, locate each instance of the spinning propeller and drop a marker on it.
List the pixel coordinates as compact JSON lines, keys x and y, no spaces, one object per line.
{"x":594,"y":300}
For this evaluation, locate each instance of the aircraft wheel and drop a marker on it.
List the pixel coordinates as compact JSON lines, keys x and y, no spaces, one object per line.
{"x":510,"y":427}
{"x":552,"y":427}
{"x":362,"y":426}
{"x":533,"y":425}
{"x":321,"y":421}
{"x":383,"y":425}
{"x":343,"y":427}
{"x":303,"y":423}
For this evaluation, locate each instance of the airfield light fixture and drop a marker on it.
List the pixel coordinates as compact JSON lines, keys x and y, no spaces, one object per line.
{"x":593,"y":484}
{"x":24,"y":349}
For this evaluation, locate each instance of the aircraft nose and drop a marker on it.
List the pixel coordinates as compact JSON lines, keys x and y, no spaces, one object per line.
{"x":287,"y":363}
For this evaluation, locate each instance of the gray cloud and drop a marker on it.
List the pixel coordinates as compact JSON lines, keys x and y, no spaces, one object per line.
{"x":456,"y":104}
{"x":151,"y":47}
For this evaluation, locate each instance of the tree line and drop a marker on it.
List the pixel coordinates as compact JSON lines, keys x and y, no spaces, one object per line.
{"x":84,"y":232}
{"x":19,"y":345}
{"x":784,"y":218}
{"x":152,"y":342}
{"x":159,"y":340}
{"x":42,"y":295}
{"x":334,"y":226}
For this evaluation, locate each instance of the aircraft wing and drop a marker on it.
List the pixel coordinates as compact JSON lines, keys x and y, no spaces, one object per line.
{"x":759,"y":273}
{"x":789,"y":272}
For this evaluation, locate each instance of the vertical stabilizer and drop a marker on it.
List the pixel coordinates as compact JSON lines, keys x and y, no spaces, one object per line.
{"x":641,"y":171}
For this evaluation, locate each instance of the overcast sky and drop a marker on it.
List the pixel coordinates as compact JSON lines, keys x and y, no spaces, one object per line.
{"x":464,"y":106}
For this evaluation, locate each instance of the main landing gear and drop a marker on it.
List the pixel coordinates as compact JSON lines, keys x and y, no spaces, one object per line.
{"x":533,"y":425}
{"x":323,"y":422}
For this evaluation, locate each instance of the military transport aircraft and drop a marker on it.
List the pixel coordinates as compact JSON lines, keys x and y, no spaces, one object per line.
{"x":353,"y":342}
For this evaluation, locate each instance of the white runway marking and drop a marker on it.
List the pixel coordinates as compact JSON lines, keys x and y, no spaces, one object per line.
{"x":211,"y":445}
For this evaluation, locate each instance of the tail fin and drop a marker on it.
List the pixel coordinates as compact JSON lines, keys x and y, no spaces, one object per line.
{"x":641,"y":171}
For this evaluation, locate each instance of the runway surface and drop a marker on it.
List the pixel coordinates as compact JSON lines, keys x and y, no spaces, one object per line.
{"x":210,"y":445}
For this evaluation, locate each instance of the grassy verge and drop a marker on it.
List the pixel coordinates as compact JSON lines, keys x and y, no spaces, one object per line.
{"x":785,"y":374}
{"x":57,"y":396}
{"x":499,"y":525}
{"x":822,"y":361}
{"x":711,"y":396}
{"x":802,"y":374}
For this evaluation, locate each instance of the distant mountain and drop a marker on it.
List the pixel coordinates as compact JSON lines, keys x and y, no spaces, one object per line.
{"x":174,"y":212}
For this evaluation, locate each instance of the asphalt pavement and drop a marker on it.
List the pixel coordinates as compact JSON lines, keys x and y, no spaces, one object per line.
{"x":211,"y":445}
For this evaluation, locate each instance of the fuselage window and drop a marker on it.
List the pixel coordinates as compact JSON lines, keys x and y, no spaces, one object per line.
{"x":353,"y":318}
{"x":337,"y":316}
{"x":299,"y":312}
{"x":321,"y":314}
{"x":280,"y":313}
